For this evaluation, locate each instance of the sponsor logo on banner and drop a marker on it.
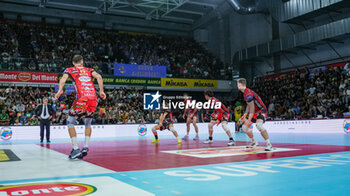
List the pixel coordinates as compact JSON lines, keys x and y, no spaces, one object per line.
{"x":137,"y":81}
{"x":346,"y":126}
{"x":105,"y":80}
{"x":50,"y":189}
{"x":85,"y":79}
{"x":142,"y":130}
{"x":24,"y":77}
{"x":132,"y":81}
{"x":34,"y":77}
{"x":188,"y":83}
{"x":6,"y":133}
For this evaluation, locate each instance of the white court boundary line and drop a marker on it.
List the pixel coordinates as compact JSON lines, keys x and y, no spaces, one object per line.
{"x":225,"y":151}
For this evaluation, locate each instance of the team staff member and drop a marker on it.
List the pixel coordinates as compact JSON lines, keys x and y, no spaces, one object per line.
{"x":44,"y":113}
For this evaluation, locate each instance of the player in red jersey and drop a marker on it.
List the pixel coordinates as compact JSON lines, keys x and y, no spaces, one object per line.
{"x":220,"y":115}
{"x":255,"y":112}
{"x":192,"y":115}
{"x":85,"y":103}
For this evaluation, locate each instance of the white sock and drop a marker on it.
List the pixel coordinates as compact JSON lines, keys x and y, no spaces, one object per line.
{"x":75,"y":143}
{"x":87,"y":139}
{"x":187,"y":134}
{"x":268,"y":141}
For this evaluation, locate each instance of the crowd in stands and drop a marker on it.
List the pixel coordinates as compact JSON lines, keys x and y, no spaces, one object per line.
{"x":122,"y":106}
{"x":304,"y":94}
{"x":48,"y":48}
{"x":318,"y":93}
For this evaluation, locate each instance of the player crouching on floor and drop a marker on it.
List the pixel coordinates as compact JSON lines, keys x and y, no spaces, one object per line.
{"x":165,"y":122}
{"x":255,"y":112}
{"x":220,"y":115}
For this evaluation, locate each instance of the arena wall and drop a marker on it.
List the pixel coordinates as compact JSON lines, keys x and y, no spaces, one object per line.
{"x":131,"y":130}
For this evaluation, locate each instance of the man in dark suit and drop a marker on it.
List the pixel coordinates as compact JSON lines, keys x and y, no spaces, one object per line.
{"x":44,"y":113}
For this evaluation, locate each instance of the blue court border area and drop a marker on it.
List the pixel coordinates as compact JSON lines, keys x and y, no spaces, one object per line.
{"x":322,"y":174}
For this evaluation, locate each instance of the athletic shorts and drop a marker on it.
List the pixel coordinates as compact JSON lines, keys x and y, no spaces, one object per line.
{"x":190,"y":113}
{"x":82,"y":107}
{"x":165,"y":125}
{"x":259,"y":115}
{"x":224,"y":117}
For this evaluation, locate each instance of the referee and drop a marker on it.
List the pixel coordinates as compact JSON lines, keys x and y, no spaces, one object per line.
{"x":44,"y":113}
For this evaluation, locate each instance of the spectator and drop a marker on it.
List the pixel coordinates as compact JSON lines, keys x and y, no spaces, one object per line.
{"x":271,"y":108}
{"x":63,"y":119}
{"x":20,"y":107}
{"x":4,"y":118}
{"x":124,"y":117}
{"x":131,"y":120}
{"x":346,"y":94}
{"x":17,"y":123}
{"x":98,"y":120}
{"x":325,"y":112}
{"x":33,"y":121}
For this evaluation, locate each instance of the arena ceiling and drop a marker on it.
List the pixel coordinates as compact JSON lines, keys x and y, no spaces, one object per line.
{"x":180,"y":11}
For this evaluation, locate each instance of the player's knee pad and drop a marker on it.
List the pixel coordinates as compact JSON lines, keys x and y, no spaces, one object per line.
{"x":247,"y":129}
{"x":210,"y":126}
{"x":88,"y":122}
{"x":172,"y":129}
{"x":259,"y":126}
{"x":225,"y":127}
{"x":71,"y":121}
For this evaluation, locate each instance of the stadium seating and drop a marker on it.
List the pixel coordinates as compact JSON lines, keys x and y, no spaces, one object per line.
{"x":36,"y":47}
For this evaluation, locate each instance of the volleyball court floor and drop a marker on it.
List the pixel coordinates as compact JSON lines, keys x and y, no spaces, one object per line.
{"x":300,"y":164}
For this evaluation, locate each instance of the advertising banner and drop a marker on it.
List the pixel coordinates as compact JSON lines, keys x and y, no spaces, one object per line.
{"x":148,"y":71}
{"x":33,"y":77}
{"x":188,"y":83}
{"x":110,"y":80}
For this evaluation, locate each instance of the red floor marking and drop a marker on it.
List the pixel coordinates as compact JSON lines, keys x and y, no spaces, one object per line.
{"x":134,"y":155}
